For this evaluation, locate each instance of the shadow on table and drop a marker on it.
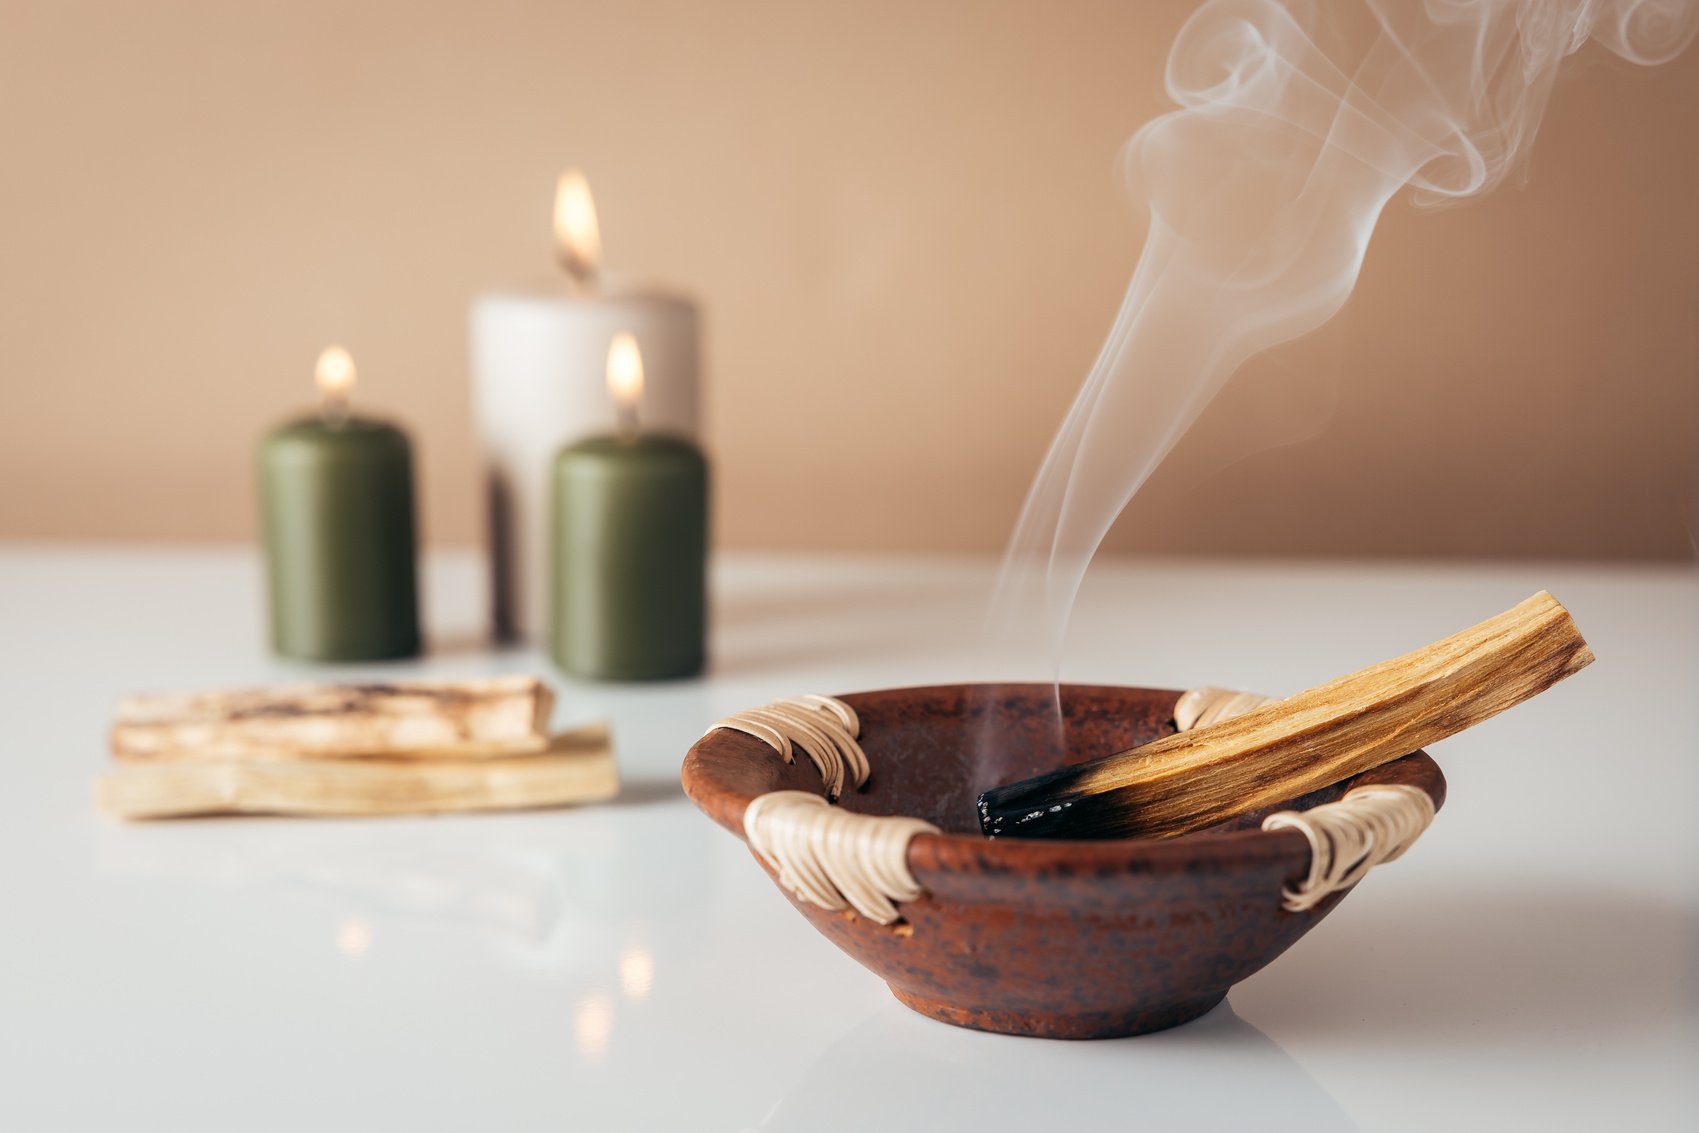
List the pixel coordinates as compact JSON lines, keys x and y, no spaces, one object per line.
{"x":874,"y":595}
{"x":912,"y":1073}
{"x":736,"y":658}
{"x":843,"y":619}
{"x":646,"y":792}
{"x":1479,"y":968}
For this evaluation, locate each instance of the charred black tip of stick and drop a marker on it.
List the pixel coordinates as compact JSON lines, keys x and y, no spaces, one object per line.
{"x":1032,"y":808}
{"x":1072,"y":817}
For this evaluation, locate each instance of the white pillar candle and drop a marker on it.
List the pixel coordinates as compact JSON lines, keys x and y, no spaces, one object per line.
{"x":539,"y":361}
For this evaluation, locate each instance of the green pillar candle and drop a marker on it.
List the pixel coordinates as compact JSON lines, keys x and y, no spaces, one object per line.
{"x":336,"y":496}
{"x":630,"y":551}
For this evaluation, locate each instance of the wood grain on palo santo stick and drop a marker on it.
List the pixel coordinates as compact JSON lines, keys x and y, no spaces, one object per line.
{"x":576,"y":767}
{"x":1290,"y":747}
{"x":416,"y":719}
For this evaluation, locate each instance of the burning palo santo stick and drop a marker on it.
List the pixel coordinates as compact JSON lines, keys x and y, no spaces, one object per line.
{"x":577,"y":767}
{"x":1290,"y":747}
{"x":476,"y":719}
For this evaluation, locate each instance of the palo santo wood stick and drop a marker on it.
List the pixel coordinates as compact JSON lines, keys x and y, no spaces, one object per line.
{"x":473,"y":719}
{"x":577,"y":767}
{"x":1287,"y":748}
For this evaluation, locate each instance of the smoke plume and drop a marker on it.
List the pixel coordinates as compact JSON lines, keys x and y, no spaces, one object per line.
{"x":1294,"y":131}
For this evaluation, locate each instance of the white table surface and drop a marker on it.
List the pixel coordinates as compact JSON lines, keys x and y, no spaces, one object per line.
{"x":1530,"y":964}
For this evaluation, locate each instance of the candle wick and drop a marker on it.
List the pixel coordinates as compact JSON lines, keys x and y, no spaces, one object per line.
{"x":580,"y":272}
{"x":627,"y":424}
{"x":333,"y":410}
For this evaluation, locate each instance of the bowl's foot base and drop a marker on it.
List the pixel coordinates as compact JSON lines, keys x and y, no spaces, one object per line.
{"x":1062,"y":1024}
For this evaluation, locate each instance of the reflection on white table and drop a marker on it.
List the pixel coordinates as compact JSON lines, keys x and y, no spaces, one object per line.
{"x":1530,"y":964}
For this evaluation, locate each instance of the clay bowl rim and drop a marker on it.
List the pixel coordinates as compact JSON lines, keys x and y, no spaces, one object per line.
{"x":936,"y":859}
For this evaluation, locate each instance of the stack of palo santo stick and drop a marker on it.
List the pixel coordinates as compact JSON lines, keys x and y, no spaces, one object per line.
{"x":424,"y":747}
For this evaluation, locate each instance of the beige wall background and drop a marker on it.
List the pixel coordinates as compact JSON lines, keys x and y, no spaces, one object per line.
{"x":903,"y":224}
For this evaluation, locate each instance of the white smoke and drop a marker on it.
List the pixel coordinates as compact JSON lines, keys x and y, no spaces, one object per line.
{"x":1263,"y":190}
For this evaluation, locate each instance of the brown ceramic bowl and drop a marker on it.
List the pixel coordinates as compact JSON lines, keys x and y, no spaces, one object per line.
{"x":1060,"y":939}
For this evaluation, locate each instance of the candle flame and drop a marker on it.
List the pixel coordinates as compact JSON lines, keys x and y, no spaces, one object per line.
{"x":335,"y":374}
{"x":625,"y":372}
{"x":577,"y":236}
